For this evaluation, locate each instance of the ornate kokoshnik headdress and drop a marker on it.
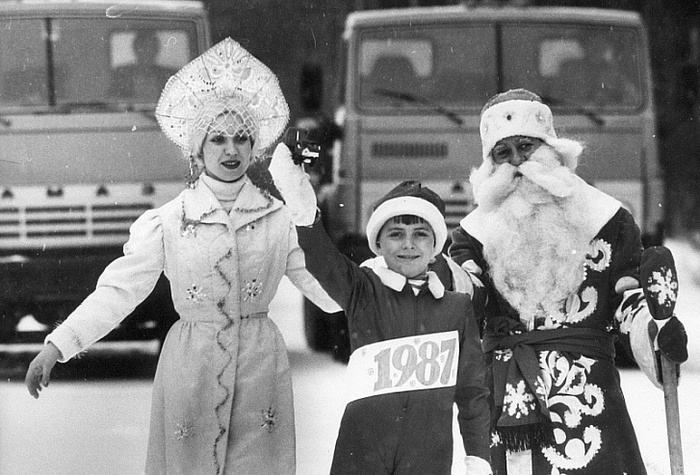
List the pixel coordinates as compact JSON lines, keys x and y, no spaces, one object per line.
{"x":225,"y":80}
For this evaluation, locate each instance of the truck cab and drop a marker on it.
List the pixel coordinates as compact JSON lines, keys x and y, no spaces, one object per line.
{"x":415,"y":80}
{"x":81,"y":153}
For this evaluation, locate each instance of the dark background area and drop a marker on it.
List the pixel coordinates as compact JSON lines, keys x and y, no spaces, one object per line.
{"x":295,"y":35}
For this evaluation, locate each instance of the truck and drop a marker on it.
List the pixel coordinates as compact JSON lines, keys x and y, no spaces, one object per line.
{"x":81,"y":153}
{"x":414,"y":81}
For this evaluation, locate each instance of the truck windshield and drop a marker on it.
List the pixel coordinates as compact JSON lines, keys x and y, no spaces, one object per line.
{"x":66,"y":64}
{"x":572,"y":66}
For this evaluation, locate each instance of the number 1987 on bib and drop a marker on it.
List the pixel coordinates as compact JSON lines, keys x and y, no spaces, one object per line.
{"x":421,"y":365}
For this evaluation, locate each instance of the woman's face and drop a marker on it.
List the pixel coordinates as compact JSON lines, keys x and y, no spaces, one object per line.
{"x":227,"y":150}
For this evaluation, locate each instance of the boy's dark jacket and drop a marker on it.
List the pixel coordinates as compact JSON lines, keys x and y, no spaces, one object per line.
{"x":377,"y":312}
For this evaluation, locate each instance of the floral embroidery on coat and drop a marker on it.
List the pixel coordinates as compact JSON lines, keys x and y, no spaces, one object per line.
{"x":269,"y":417}
{"x":571,"y":398}
{"x":580,"y":307}
{"x":599,"y":255}
{"x":189,"y":229}
{"x":184,"y":430}
{"x":517,"y":401}
{"x":251,"y":289}
{"x":633,"y":303}
{"x":583,"y":304}
{"x":196,"y":294}
{"x":503,"y":355}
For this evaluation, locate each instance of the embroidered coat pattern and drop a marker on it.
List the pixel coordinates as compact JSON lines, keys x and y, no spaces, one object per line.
{"x":590,"y":431}
{"x":222,"y":395}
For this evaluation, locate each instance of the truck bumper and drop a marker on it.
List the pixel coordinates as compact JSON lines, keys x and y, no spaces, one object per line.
{"x":43,"y":288}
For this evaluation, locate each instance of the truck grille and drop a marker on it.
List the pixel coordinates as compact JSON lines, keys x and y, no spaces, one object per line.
{"x":84,"y":223}
{"x":455,"y":211}
{"x":409,"y":149}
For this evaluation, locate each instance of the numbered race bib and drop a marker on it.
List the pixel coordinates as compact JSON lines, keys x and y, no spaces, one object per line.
{"x":404,"y":364}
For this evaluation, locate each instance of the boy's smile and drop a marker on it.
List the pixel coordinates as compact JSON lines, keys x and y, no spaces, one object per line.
{"x":407,"y":248}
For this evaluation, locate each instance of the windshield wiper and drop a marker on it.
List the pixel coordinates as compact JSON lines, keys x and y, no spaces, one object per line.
{"x":70,"y":107}
{"x":406,"y":97}
{"x":585,"y":111}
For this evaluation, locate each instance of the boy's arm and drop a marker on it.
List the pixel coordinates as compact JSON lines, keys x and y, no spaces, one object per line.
{"x":467,"y":252}
{"x":336,"y":274}
{"x":472,"y":395}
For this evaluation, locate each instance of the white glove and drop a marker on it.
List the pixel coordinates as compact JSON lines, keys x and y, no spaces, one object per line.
{"x":294,"y":186}
{"x":477,"y":466}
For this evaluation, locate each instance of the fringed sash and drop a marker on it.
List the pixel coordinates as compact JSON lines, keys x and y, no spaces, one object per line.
{"x":521,"y":403}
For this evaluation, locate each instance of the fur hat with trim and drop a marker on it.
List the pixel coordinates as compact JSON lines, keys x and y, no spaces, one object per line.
{"x":521,"y":112}
{"x":409,"y":198}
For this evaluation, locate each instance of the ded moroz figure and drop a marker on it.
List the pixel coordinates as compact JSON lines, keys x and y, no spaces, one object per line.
{"x":556,"y":269}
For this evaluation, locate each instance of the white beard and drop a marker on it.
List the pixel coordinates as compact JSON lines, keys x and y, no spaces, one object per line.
{"x":535,"y":242}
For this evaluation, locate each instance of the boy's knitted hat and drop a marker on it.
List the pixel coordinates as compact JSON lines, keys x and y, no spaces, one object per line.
{"x":521,"y":112}
{"x":409,"y":198}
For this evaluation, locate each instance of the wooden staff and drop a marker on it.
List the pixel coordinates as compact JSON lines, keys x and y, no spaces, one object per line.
{"x":660,"y":284}
{"x":669,"y":375}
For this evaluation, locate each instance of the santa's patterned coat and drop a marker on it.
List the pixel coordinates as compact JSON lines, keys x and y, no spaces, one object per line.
{"x":588,"y":428}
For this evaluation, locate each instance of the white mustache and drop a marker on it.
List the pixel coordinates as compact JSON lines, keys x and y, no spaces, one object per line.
{"x":490,"y":189}
{"x":543,"y":170}
{"x":558,"y":181}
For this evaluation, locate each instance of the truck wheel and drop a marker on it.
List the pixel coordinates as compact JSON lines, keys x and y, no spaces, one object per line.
{"x":8,"y":323}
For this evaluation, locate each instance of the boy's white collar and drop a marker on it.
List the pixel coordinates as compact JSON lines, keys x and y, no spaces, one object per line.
{"x":397,"y":282}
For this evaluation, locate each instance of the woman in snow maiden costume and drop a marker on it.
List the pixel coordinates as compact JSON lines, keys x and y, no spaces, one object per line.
{"x":416,"y":348}
{"x":222,"y":395}
{"x":556,"y":268}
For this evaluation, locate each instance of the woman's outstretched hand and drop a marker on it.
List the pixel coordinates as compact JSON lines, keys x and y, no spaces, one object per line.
{"x":39,"y":372}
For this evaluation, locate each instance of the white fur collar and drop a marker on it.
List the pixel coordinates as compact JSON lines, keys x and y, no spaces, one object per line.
{"x":397,"y":282}
{"x":200,"y":204}
{"x":596,"y":206}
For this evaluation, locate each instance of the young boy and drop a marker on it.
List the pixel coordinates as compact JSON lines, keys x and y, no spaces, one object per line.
{"x":416,"y":348}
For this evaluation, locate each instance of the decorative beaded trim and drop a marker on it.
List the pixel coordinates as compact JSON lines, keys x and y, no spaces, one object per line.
{"x":269,"y":202}
{"x":269,"y":417}
{"x":251,"y":289}
{"x":184,"y":430}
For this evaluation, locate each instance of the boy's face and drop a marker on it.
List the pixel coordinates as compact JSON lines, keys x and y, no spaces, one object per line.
{"x":406,"y":248}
